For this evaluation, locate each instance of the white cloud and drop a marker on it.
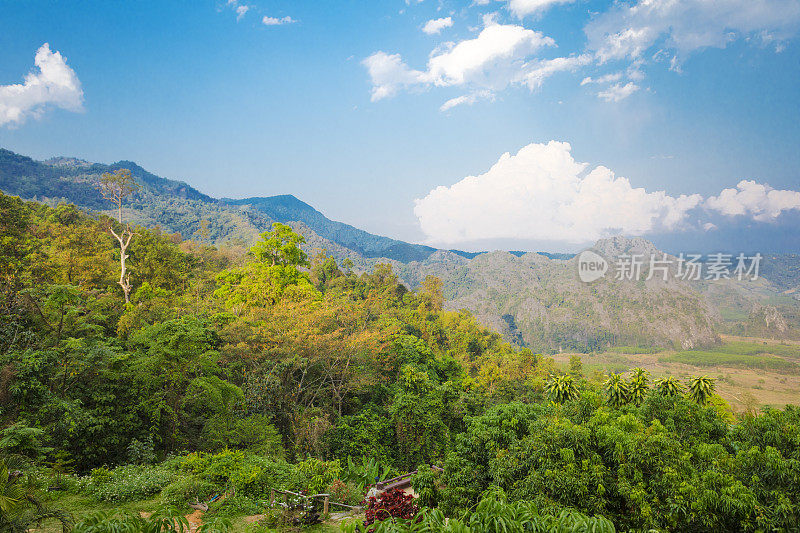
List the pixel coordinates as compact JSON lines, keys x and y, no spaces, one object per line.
{"x":493,"y":59}
{"x":542,"y":193}
{"x":467,"y":99}
{"x":629,"y":31}
{"x":537,"y":71}
{"x":523,"y":8}
{"x":52,"y":83}
{"x":241,"y":9}
{"x":499,"y":56}
{"x":759,"y":201}
{"x":606,"y":78}
{"x":437,"y":25}
{"x":618,"y":92}
{"x":274,"y":21}
{"x":389,"y":74}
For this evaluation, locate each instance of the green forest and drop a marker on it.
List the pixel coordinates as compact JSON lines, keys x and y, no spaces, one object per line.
{"x":232,"y":373}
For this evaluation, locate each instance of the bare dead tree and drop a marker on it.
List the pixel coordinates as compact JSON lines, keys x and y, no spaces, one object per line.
{"x":115,"y":187}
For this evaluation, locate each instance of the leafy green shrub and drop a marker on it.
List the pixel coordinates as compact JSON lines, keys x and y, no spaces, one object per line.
{"x":255,"y":434}
{"x":426,"y":485}
{"x":249,"y":474}
{"x":217,"y":467}
{"x":101,"y":475}
{"x":128,"y":482}
{"x":345,"y":492}
{"x":257,"y":475}
{"x":315,"y":476}
{"x":141,"y":453}
{"x":186,"y":490}
{"x":239,"y":505}
{"x":19,"y":439}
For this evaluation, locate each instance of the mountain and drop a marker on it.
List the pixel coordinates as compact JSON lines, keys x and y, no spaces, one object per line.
{"x":287,"y":208}
{"x":531,"y":298}
{"x":540,"y":302}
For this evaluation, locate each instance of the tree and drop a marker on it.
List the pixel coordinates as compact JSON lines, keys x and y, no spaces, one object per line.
{"x":617,"y":391}
{"x":701,"y":389}
{"x":575,"y":366}
{"x":562,"y":388}
{"x":669,"y":386}
{"x":431,"y":293}
{"x":638,"y":386}
{"x":280,"y":246}
{"x":116,"y":188}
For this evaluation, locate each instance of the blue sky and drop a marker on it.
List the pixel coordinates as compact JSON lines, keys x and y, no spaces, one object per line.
{"x":340,"y":103}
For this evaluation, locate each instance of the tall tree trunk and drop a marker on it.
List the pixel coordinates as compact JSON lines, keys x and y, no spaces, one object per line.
{"x":124,"y":239}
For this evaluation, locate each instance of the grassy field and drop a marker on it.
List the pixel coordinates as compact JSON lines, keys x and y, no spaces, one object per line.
{"x":749,"y":372}
{"x":711,"y":358}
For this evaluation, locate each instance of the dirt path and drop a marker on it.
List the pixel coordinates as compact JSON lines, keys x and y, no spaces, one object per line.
{"x":195,"y":520}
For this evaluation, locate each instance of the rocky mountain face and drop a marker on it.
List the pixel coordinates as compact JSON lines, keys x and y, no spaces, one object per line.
{"x":533,"y":299}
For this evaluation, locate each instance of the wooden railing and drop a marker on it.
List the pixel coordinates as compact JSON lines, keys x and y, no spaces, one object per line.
{"x":326,"y":499}
{"x":400,"y":481}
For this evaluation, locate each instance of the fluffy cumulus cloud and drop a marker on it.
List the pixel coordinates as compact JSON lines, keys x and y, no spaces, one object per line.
{"x":631,"y":30}
{"x":51,"y":83}
{"x":277,"y":21}
{"x":542,"y":193}
{"x":758,"y":201}
{"x":499,"y":56}
{"x":495,"y":58}
{"x":389,"y":75}
{"x":523,"y":8}
{"x":434,"y":26}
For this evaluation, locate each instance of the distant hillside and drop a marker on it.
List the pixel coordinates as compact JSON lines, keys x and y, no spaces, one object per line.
{"x":541,"y":302}
{"x":287,"y":208}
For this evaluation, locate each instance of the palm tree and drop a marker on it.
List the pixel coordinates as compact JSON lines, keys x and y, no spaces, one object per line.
{"x":701,"y":389}
{"x":20,"y":508}
{"x":639,"y":385}
{"x":562,"y":388}
{"x":617,"y":391}
{"x":669,"y":386}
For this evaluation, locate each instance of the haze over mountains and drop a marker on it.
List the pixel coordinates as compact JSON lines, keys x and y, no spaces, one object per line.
{"x":531,"y":298}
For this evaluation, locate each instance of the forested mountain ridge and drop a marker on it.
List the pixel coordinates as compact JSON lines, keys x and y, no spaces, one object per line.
{"x":178,"y":207}
{"x":287,"y":209}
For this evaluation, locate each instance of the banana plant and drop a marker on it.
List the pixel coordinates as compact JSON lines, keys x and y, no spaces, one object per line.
{"x":669,"y":386}
{"x":562,"y":388}
{"x":701,"y":389}
{"x":364,"y":474}
{"x":639,"y":385}
{"x":617,"y":391}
